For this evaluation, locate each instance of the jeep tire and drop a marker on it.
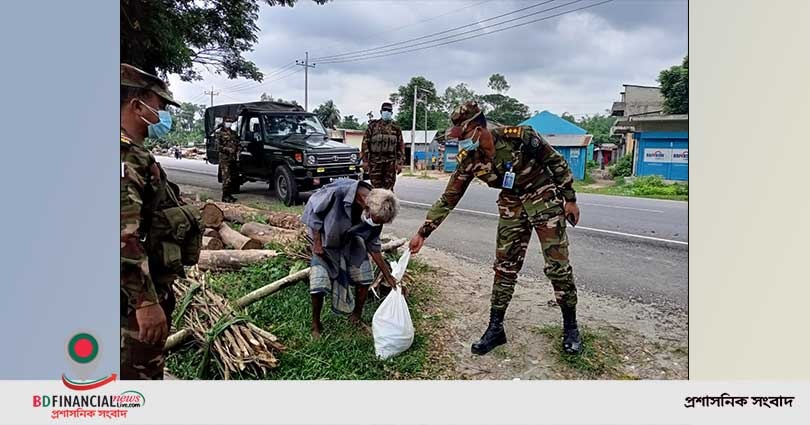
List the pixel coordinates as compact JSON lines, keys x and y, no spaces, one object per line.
{"x":284,"y":185}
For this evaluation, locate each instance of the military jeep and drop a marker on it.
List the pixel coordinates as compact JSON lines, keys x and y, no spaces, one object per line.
{"x":283,"y":145}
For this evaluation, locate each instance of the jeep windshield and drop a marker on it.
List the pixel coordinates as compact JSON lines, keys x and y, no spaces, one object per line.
{"x":287,"y":126}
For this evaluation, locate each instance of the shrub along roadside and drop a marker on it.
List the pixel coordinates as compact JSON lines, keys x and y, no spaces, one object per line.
{"x":640,"y":187}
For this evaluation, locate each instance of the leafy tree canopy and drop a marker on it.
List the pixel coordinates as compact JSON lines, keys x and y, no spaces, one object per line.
{"x":172,"y":36}
{"x":675,"y":88}
{"x":328,"y":114}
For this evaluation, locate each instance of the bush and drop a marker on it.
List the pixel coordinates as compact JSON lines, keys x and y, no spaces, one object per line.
{"x":590,"y":165}
{"x":655,"y":186}
{"x":622,"y":168}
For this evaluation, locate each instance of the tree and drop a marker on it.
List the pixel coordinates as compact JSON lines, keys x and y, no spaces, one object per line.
{"x":403,"y":98}
{"x":454,"y":96}
{"x":172,"y":36}
{"x":675,"y":88}
{"x":504,"y":109}
{"x":328,"y":114}
{"x":498,"y":83}
{"x":268,"y":98}
{"x":350,"y":123}
{"x":568,"y":117}
{"x":599,"y":126}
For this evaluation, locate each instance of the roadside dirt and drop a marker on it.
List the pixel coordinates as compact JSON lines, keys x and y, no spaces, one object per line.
{"x":636,"y":341}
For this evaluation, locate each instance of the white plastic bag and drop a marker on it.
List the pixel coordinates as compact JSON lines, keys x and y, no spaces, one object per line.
{"x":392,"y":326}
{"x":398,"y":268}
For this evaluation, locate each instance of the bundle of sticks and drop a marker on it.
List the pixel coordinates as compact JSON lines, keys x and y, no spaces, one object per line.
{"x":226,"y":335}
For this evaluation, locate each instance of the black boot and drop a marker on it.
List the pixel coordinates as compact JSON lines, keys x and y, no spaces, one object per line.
{"x":494,"y":335}
{"x":228,"y":198}
{"x":572,"y":342}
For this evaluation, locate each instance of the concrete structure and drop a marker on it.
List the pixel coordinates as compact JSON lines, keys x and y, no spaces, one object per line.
{"x":566,"y":137}
{"x":350,"y":137}
{"x":661,"y":144}
{"x":635,"y":101}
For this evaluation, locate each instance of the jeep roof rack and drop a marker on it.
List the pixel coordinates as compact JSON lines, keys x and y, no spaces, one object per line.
{"x":235,"y":109}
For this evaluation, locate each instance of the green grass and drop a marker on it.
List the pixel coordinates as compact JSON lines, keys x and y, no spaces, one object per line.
{"x":421,"y":175}
{"x":642,"y":187}
{"x":599,"y":359}
{"x":275,"y":205}
{"x":342,"y":352}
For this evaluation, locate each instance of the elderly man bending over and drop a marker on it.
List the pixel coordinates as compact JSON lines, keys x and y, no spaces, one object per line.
{"x":345,"y":221}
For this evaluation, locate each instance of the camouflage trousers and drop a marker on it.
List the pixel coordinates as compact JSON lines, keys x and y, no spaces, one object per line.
{"x":518,"y":219}
{"x":383,"y":175}
{"x":140,"y":360}
{"x":229,"y":170}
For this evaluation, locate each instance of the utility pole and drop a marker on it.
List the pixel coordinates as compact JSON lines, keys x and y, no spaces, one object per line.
{"x":306,"y":66}
{"x":426,"y":140}
{"x":413,"y":127}
{"x":212,"y":93}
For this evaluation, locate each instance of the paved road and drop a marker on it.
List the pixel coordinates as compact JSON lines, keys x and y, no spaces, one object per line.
{"x":624,"y":247}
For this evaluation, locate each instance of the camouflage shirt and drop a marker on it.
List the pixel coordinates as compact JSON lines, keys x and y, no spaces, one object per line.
{"x":138,"y":169}
{"x":383,"y":141}
{"x":228,"y":143}
{"x":542,"y":175}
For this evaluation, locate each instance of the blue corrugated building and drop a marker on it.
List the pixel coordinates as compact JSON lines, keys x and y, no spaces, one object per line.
{"x":570,"y":140}
{"x":661,"y":145}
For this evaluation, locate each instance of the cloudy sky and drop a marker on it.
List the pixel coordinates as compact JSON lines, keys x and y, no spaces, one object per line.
{"x":573,"y":63}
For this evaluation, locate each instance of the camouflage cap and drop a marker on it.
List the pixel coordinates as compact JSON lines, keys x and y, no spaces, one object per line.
{"x":387,"y":106}
{"x":134,"y":77}
{"x":464,"y":113}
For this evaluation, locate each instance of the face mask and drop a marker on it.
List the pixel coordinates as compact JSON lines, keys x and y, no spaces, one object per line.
{"x":160,"y":128}
{"x":386,"y":115}
{"x":468,"y":144}
{"x":233,"y":126}
{"x":366,"y":219}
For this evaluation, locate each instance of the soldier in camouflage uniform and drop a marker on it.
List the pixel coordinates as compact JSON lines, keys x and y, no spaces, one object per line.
{"x":229,"y":148}
{"x":146,"y":295}
{"x":537,"y":195}
{"x":383,"y":150}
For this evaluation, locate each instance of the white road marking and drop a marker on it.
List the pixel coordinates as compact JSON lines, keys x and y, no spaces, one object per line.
{"x":611,"y":232}
{"x":190,"y":170}
{"x":489,"y":214}
{"x":621,"y":208}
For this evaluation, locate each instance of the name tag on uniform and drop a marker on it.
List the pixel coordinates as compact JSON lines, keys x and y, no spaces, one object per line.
{"x":508,"y":180}
{"x":508,"y":177}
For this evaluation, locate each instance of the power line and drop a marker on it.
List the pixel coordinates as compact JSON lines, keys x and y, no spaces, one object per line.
{"x":393,"y":30}
{"x":475,"y":30}
{"x":324,"y":58}
{"x":268,"y":81}
{"x":246,"y":84}
{"x":374,"y":56}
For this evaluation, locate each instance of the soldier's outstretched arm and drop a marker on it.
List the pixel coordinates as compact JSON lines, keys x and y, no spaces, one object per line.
{"x":456,"y":187}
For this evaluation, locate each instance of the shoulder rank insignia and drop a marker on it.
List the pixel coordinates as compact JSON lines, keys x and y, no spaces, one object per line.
{"x":513,"y":132}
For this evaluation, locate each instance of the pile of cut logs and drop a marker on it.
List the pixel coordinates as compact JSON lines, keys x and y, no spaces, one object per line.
{"x":227,"y":249}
